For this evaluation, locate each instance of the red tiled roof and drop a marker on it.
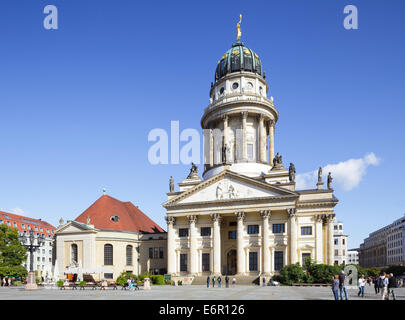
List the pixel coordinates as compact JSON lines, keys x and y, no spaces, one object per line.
{"x":130,"y":217}
{"x":17,"y":221}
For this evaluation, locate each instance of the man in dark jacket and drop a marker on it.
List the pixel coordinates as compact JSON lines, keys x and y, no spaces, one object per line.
{"x":208,"y":281}
{"x":376,"y":287}
{"x":342,"y":285}
{"x":392,"y":283}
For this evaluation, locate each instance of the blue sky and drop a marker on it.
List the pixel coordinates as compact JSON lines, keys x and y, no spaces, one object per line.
{"x":77,"y":103}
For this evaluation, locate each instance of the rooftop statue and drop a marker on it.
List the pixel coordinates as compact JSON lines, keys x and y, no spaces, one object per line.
{"x":238,"y":31}
{"x":291,"y":172}
{"x":171,"y":184}
{"x":320,"y":175}
{"x":330,"y":181}
{"x":193,"y":172}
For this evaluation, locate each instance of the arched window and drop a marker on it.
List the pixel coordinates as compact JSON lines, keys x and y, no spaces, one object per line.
{"x":74,"y":253}
{"x":108,"y":255}
{"x":129,"y":255}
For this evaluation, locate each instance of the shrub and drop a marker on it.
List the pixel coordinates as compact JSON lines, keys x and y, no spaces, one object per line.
{"x":144,"y":275}
{"x":179,"y":283}
{"x":13,"y":271}
{"x":158,"y":280}
{"x":292,"y":273}
{"x":17,"y":283}
{"x":323,"y":273}
{"x":59,"y":283}
{"x":123,"y":278}
{"x":82,"y":283}
{"x":395,"y":270}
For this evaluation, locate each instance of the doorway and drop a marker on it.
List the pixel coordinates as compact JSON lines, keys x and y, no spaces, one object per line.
{"x":231,"y":262}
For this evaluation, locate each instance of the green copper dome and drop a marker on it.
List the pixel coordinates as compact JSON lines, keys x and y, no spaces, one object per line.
{"x":238,"y":58}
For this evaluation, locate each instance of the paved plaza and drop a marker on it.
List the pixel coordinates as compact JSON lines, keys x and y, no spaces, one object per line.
{"x":190,"y":292}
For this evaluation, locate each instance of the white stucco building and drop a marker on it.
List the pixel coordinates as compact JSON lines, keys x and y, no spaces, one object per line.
{"x":244,"y":216}
{"x":340,"y":244}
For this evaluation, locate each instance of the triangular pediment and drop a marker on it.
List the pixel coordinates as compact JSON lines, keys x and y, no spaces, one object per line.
{"x":73,"y":226}
{"x":228,"y":185}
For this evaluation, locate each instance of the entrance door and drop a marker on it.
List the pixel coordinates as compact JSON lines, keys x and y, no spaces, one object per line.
{"x":231,"y":262}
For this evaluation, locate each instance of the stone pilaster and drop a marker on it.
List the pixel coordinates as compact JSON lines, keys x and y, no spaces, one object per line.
{"x":244,"y":141}
{"x":292,"y":218}
{"x":193,"y":244}
{"x":171,"y":246}
{"x":265,"y":241}
{"x":271,"y":141}
{"x":262,"y":140}
{"x":216,"y":218}
{"x":329,"y":222}
{"x":240,"y":254}
{"x":319,"y":238}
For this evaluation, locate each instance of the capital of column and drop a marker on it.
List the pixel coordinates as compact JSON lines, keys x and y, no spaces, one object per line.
{"x":244,"y":114}
{"x":225,"y":117}
{"x":192,"y":218}
{"x":271,"y":123}
{"x":292,"y":213}
{"x":261,"y":117}
{"x":216,"y":217}
{"x":319,"y":218}
{"x":170,"y":220}
{"x":265,"y":214}
{"x":328,"y":218}
{"x":240,"y":215}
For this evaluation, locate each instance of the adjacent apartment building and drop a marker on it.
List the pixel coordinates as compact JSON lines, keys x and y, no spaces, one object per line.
{"x":340,"y":244}
{"x":43,"y":257}
{"x":384,"y":247}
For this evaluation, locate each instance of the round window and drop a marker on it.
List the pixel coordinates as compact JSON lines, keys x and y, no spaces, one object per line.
{"x":235,"y":85}
{"x":261,"y":90}
{"x":250,"y":85}
{"x":221,"y":91}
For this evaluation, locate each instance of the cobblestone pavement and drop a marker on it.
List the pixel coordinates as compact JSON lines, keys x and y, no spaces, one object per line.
{"x":191,"y":293}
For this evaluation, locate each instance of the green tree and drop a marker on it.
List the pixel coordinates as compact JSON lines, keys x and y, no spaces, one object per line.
{"x":292,"y":273}
{"x":12,"y":252}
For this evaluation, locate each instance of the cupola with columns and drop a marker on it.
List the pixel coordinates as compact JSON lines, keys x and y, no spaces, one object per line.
{"x":239,"y":122}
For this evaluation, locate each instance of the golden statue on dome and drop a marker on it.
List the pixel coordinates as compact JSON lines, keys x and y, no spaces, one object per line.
{"x":238,"y":31}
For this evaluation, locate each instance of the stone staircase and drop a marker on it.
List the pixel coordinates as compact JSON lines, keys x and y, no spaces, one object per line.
{"x":240,"y":280}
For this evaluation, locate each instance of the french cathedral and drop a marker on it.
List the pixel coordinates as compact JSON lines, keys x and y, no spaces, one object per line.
{"x":243,"y":216}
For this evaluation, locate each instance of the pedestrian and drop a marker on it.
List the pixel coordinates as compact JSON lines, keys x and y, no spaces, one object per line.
{"x":219,"y":281}
{"x":227,"y":281}
{"x":362,"y":283}
{"x":342,"y":285}
{"x":9,"y":282}
{"x":213,"y":281}
{"x":3,"y":282}
{"x":392,"y":283}
{"x":383,"y":285}
{"x":233,"y":281}
{"x":335,"y":286}
{"x":376,"y":287}
{"x":208,"y":281}
{"x":136,"y":287}
{"x":264,"y":281}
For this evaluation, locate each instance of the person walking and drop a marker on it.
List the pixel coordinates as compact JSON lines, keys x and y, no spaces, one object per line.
{"x":208,"y":281}
{"x":362,"y":283}
{"x":3,"y":282}
{"x":227,"y":281}
{"x":383,"y":286}
{"x":233,"y":281}
{"x":213,"y":281}
{"x":342,"y":286}
{"x":219,"y":281}
{"x":264,"y":281}
{"x":376,"y":284}
{"x":392,"y":283}
{"x":335,"y":286}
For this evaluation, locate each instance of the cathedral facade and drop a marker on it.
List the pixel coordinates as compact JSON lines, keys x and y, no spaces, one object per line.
{"x":244,"y":216}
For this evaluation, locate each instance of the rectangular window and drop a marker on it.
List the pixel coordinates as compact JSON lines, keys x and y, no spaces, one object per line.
{"x":252,"y":261}
{"x":205,"y":231}
{"x":155,"y":253}
{"x":8,"y":223}
{"x":38,"y":259}
{"x":43,"y":259}
{"x":336,"y":252}
{"x":15,"y":224}
{"x":278,"y":228}
{"x":336,"y":241}
{"x":183,"y":261}
{"x":183,"y":232}
{"x":253,"y":229}
{"x":150,"y":253}
{"x":160,"y":253}
{"x":205,"y":257}
{"x":36,"y":228}
{"x":250,"y":150}
{"x":278,"y":260}
{"x":343,"y":241}
{"x":306,"y":231}
{"x":40,"y":229}
{"x":28,"y":227}
{"x":108,"y":275}
{"x":50,"y":251}
{"x":47,"y":230}
{"x":304,"y":257}
{"x":232,"y":234}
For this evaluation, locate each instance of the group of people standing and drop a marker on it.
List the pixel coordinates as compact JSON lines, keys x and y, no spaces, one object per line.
{"x":383,"y":284}
{"x":6,"y":282}
{"x":132,"y":284}
{"x":219,"y":281}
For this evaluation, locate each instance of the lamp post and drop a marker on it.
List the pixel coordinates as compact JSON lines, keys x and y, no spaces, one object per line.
{"x":31,"y":243}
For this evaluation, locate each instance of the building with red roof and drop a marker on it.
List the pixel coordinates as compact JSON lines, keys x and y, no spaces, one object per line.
{"x":43,"y":257}
{"x":108,"y":238}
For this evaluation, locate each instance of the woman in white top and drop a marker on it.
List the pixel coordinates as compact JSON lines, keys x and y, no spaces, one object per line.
{"x":362,"y":283}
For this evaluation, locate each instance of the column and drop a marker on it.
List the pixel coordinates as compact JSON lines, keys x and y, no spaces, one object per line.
{"x":262,"y":140}
{"x":319,"y":238}
{"x":329,"y":220}
{"x":265,"y":241}
{"x":171,"y":254}
{"x":271,"y":141}
{"x":271,"y":260}
{"x":244,"y":146}
{"x":193,"y":244}
{"x":225,"y":119}
{"x":211,"y":150}
{"x":292,"y":218}
{"x":240,"y":254}
{"x":216,"y":218}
